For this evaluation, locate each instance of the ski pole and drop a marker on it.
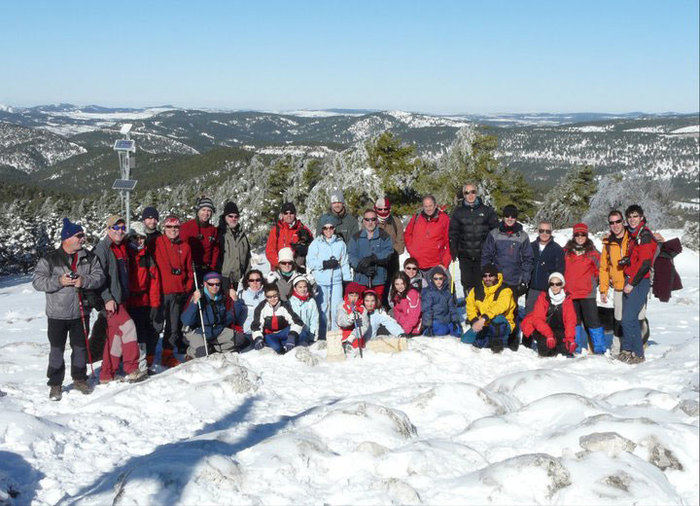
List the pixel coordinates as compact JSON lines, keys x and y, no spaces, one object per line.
{"x":85,"y":330}
{"x":201,"y":316}
{"x":358,"y":326}
{"x":452,"y":276}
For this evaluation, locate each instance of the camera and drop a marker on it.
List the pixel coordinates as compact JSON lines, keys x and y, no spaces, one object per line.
{"x":624,"y":261}
{"x":175,"y":272}
{"x":73,"y":275}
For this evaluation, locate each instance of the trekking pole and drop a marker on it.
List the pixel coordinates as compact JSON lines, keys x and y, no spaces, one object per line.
{"x":358,"y":326}
{"x":452,"y":276}
{"x":329,"y":304}
{"x":201,"y":316}
{"x":85,"y":330}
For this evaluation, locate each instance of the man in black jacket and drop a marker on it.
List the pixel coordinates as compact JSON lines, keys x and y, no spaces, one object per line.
{"x":548,"y":257}
{"x":470,"y":223}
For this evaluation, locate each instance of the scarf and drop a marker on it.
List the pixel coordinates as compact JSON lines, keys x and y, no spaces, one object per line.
{"x":300,"y":297}
{"x":358,"y":306}
{"x":556,"y":299}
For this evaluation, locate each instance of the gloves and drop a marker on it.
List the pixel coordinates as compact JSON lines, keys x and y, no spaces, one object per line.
{"x":521,"y":289}
{"x":570,"y":346}
{"x":259,"y":343}
{"x":331,"y":264}
{"x":363,"y":264}
{"x":288,"y":347}
{"x":382,"y":263}
{"x":551,"y":343}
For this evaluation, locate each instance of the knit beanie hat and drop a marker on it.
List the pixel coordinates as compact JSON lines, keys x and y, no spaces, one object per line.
{"x":557,"y":275}
{"x":149,"y":212}
{"x":137,"y":228}
{"x":328,"y":219}
{"x":205,"y":202}
{"x":69,"y":229}
{"x":490,"y":269}
{"x":288,"y":206}
{"x":354,"y":287}
{"x":172,"y":219}
{"x":285,"y":255}
{"x":337,"y":196}
{"x":230,"y":208}
{"x":581,"y":228}
{"x":510,"y":210}
{"x":212,"y":275}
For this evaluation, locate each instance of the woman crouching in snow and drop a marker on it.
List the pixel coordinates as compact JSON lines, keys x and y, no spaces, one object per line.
{"x":552,"y":323}
{"x":352,"y":318}
{"x":406,"y":302}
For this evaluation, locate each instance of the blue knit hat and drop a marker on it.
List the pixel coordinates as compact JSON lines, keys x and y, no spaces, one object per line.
{"x":69,"y":229}
{"x":212,"y":275}
{"x":149,"y":212}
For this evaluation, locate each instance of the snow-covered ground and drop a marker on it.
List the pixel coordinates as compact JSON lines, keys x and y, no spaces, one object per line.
{"x":441,"y":423}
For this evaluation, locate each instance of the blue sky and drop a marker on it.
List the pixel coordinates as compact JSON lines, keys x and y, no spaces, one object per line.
{"x":430,"y":56}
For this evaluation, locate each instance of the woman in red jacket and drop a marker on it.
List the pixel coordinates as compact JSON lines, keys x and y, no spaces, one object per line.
{"x":552,"y":323}
{"x":582,"y":261}
{"x":144,"y":293}
{"x":406,"y":303}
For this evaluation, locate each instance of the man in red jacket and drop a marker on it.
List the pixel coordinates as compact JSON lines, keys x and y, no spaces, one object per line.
{"x":202,"y":237}
{"x":640,"y":256}
{"x":174,"y":261}
{"x":288,"y":232}
{"x":427,"y":236}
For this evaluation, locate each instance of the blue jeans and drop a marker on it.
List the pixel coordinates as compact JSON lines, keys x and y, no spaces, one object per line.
{"x":328,"y":298}
{"x":498,"y":328}
{"x":632,"y":304}
{"x":277,"y":340}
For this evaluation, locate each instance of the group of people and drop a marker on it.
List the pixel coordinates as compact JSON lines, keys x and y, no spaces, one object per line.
{"x":193,"y":283}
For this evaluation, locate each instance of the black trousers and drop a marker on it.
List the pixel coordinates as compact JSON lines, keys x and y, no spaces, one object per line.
{"x":391,"y":269}
{"x":145,"y":333}
{"x":470,"y":272}
{"x":59,"y":331}
{"x":172,"y":310}
{"x":542,"y":349}
{"x":587,"y":313}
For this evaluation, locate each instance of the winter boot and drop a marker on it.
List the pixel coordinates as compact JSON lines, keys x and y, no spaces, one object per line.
{"x":599,"y":341}
{"x":168,"y":359}
{"x":634,"y":359}
{"x":82,"y":386}
{"x":55,"y":393}
{"x":149,"y":360}
{"x":581,"y":340}
{"x":136,"y":376}
{"x":624,"y":356}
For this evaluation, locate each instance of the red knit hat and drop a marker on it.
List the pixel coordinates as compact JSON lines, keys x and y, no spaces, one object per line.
{"x":581,"y":228}
{"x":354,"y":287}
{"x":384,"y":204}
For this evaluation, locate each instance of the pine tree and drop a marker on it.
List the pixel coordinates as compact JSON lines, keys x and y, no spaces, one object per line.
{"x":570,"y":199}
{"x":395,"y":164}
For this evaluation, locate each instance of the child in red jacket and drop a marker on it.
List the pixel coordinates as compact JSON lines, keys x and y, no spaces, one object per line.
{"x":552,"y":323}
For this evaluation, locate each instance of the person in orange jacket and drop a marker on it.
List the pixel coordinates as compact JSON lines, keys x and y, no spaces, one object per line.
{"x":427,"y":236}
{"x":288,"y":232}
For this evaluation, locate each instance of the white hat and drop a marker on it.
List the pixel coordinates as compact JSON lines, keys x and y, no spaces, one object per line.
{"x":557,"y":275}
{"x":137,"y":228}
{"x":337,"y":196}
{"x":285,"y":255}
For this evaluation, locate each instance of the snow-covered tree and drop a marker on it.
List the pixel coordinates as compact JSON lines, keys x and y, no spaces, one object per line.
{"x":569,"y":200}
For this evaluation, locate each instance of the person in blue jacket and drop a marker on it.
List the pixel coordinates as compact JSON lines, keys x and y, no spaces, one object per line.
{"x":440,"y":313}
{"x":548,"y":257}
{"x":327,"y":261}
{"x":380,"y":322}
{"x":218,"y":314}
{"x":508,"y":248}
{"x":369,"y":252}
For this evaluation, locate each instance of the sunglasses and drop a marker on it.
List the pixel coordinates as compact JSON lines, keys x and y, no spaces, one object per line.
{"x":329,"y":227}
{"x":554,"y":283}
{"x":410,"y":268}
{"x":470,"y":192}
{"x":438,"y":278}
{"x":370,"y":219}
{"x":255,"y":280}
{"x":545,"y":231}
{"x":117,"y":228}
{"x":614,"y":222}
{"x":580,"y":234}
{"x":270,"y":297}
{"x":172,"y":226}
{"x":213,"y":284}
{"x":382,"y":208}
{"x":489,"y":275}
{"x":285,"y":263}
{"x":232,"y":216}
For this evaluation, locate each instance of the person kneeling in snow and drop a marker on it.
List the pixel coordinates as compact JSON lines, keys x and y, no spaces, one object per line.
{"x":218,"y":312}
{"x":440,"y":313}
{"x":275,"y":323}
{"x":380,"y":322}
{"x":352,"y":318}
{"x":304,"y":305}
{"x":552,"y":322}
{"x":491,"y":311}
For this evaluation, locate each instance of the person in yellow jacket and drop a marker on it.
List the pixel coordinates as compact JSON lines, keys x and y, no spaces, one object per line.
{"x":491,"y":312}
{"x":613,"y":259}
